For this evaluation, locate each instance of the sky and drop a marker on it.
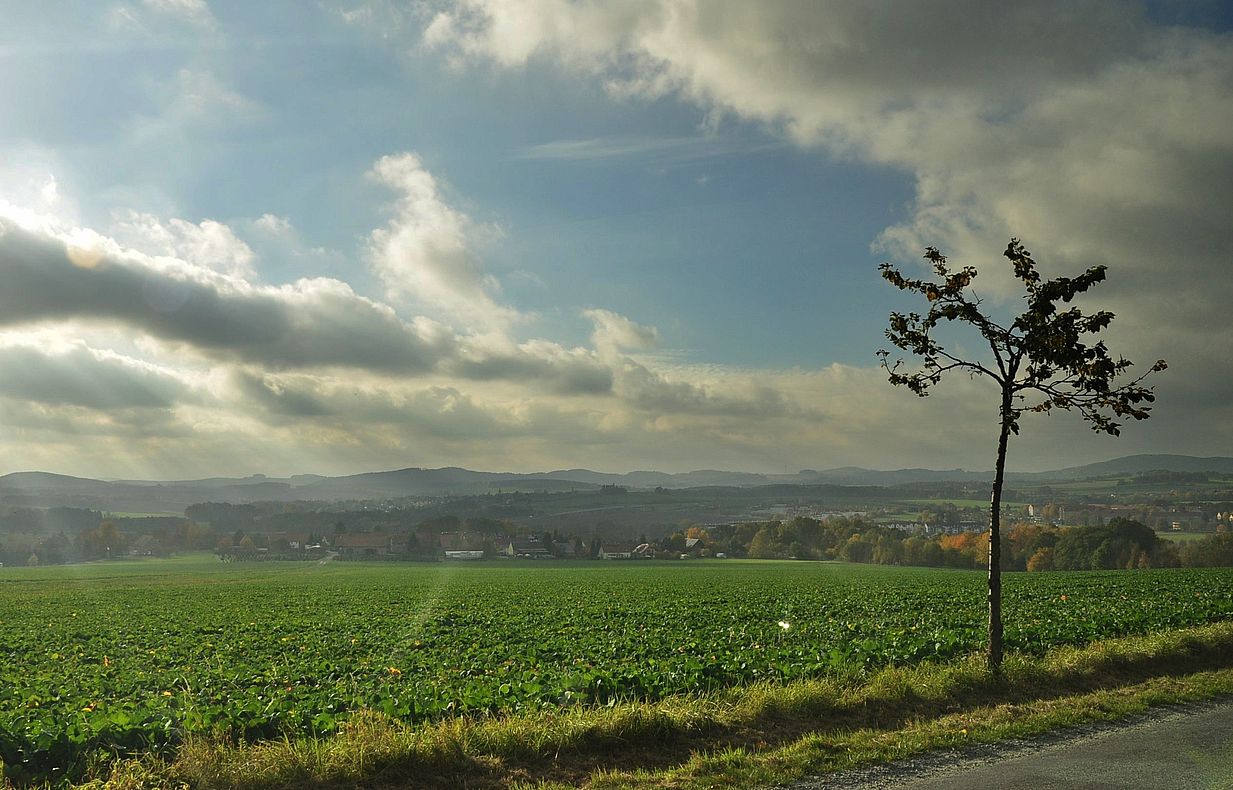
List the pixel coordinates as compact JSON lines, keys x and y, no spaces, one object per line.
{"x":524,"y":235}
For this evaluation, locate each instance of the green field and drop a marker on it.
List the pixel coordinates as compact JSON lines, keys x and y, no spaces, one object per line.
{"x":1184,"y":537}
{"x":982,"y":504}
{"x":132,"y":655}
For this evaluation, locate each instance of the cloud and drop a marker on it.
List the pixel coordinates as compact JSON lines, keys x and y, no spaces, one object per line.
{"x":332,"y":381}
{"x":316,"y":322}
{"x":283,"y":251}
{"x":273,"y":225}
{"x":658,"y":393}
{"x":817,"y":70}
{"x":405,"y":409}
{"x":546,"y":364}
{"x":426,"y":251}
{"x":312,"y":365}
{"x":77,"y":375}
{"x":1086,"y":129}
{"x":77,"y":277}
{"x":278,"y":395}
{"x":652,"y":391}
{"x":50,"y":192}
{"x":659,"y":150}
{"x":1091,"y":175}
{"x":195,"y":102}
{"x":209,"y":244}
{"x":140,"y":18}
{"x":29,"y":184}
{"x":195,"y":12}
{"x":614,"y":332}
{"x":1092,"y":131}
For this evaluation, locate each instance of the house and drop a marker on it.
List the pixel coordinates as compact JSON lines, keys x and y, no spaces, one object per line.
{"x":530,"y":548}
{"x":369,"y":544}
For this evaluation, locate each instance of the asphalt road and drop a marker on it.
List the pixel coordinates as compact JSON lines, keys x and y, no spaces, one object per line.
{"x":1178,"y":749}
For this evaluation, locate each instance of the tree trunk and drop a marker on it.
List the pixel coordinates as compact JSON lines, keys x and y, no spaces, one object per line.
{"x":995,"y":541}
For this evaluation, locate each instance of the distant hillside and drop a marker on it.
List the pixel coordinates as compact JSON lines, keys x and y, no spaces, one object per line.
{"x":854,"y":476}
{"x":44,"y":489}
{"x":1138,"y":464}
{"x":431,"y":482}
{"x":1125,"y":466}
{"x":46,"y":481}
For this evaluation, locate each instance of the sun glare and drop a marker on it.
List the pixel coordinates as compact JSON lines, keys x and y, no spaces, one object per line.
{"x":84,"y":257}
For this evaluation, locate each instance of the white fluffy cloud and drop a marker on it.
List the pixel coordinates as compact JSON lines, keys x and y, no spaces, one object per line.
{"x":209,"y":243}
{"x":614,"y":332}
{"x":426,"y":252}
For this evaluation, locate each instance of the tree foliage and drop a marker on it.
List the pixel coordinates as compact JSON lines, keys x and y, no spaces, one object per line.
{"x":1044,"y":359}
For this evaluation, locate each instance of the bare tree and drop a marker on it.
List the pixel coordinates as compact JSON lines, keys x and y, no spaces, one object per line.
{"x":1043,"y":360}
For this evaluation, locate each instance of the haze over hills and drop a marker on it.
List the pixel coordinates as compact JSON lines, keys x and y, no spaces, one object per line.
{"x":44,"y":489}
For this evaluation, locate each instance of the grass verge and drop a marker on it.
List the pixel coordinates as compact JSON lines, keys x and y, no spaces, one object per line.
{"x":759,"y":735}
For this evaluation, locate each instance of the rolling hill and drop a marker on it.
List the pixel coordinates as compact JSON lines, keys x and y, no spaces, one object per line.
{"x":44,"y":489}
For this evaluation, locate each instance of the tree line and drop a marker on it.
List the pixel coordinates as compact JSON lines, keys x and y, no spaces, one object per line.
{"x":1121,"y":543}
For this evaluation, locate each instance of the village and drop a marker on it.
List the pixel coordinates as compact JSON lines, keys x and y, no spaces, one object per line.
{"x":425,"y":545}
